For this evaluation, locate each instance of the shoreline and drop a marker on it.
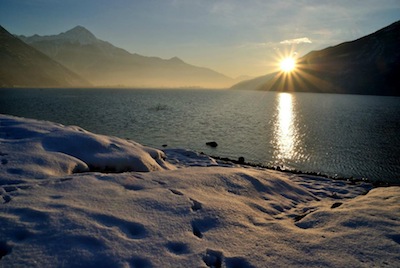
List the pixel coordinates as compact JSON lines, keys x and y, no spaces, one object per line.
{"x":350,"y":179}
{"x":375,"y":183}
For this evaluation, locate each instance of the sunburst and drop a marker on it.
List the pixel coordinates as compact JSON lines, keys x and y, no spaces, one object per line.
{"x":287,"y":64}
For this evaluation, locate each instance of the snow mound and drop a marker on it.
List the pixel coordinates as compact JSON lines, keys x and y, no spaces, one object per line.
{"x":42,"y":149}
{"x":194,"y":217}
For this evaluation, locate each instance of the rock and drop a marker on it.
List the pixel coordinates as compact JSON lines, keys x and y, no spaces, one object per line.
{"x":241,"y":160}
{"x":212,"y":144}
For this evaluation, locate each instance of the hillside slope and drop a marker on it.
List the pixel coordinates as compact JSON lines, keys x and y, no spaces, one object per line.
{"x":24,"y":66}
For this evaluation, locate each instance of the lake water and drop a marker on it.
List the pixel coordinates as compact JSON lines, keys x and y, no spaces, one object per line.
{"x":347,"y":135}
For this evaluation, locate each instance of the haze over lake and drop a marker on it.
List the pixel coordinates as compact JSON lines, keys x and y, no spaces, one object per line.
{"x":347,"y":135}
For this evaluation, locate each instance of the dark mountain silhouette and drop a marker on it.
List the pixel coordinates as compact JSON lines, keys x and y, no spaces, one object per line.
{"x":369,"y":65}
{"x":24,"y":66}
{"x":106,"y":65}
{"x":254,"y":83}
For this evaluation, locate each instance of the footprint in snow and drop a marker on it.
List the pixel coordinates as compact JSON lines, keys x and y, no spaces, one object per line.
{"x":84,"y":242}
{"x":258,"y":208}
{"x":31,"y":215}
{"x":395,"y":238}
{"x":178,"y":248}
{"x":65,"y":179}
{"x":9,"y":189}
{"x":299,"y":217}
{"x":22,"y":234}
{"x":200,"y":226}
{"x":160,"y":182}
{"x":130,"y":229}
{"x":176,"y":192}
{"x":55,"y":197}
{"x":6,"y":199}
{"x":260,"y":221}
{"x":5,"y":249}
{"x":337,"y":204}
{"x":15,"y":171}
{"x":196,"y":230}
{"x":213,"y":258}
{"x":236,"y":262}
{"x":196,"y":205}
{"x":139,"y":262}
{"x":133,"y":187}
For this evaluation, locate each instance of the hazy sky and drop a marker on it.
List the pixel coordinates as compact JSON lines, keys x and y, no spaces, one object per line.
{"x":235,"y":37}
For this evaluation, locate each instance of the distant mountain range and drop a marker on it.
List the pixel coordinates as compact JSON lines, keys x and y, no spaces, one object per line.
{"x":76,"y":58}
{"x":103,"y":64}
{"x":369,"y":65}
{"x":24,"y":66}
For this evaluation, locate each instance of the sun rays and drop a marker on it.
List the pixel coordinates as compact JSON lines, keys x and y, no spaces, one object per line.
{"x":295,"y":73}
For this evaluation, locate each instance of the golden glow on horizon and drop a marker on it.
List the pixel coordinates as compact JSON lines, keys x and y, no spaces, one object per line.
{"x":287,"y":64}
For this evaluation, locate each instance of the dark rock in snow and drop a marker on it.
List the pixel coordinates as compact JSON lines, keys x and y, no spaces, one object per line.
{"x":212,"y":144}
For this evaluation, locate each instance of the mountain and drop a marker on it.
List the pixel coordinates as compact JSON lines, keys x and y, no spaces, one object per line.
{"x":77,"y":35}
{"x":106,"y":65}
{"x":369,"y":65}
{"x":24,"y":66}
{"x":254,"y":83}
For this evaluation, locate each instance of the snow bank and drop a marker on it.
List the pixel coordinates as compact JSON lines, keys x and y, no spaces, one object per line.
{"x":198,"y":215}
{"x":42,"y":149}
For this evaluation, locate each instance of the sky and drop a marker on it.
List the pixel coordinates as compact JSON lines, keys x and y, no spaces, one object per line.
{"x":234,"y":37}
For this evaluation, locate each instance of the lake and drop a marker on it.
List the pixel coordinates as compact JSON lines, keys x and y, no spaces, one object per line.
{"x":344,"y":135}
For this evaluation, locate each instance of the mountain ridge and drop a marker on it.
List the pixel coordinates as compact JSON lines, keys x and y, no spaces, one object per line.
{"x":367,"y":65}
{"x":23,"y":66}
{"x":77,"y":34}
{"x":104,"y":64}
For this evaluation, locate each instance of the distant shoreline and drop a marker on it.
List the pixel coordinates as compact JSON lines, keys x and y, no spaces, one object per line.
{"x":188,"y":88}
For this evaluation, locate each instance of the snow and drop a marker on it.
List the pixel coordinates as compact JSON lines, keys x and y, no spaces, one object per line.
{"x":41,"y":149}
{"x":62,"y":207}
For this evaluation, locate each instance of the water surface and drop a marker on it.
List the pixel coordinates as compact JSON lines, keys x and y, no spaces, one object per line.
{"x":347,"y":135}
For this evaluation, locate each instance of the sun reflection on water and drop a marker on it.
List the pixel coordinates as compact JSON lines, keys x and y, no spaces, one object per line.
{"x":285,"y":131}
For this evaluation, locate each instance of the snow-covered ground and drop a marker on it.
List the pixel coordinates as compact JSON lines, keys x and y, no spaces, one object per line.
{"x":64,"y":205}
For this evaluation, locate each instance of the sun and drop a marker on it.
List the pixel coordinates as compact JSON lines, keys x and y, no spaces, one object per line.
{"x":287,"y":64}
